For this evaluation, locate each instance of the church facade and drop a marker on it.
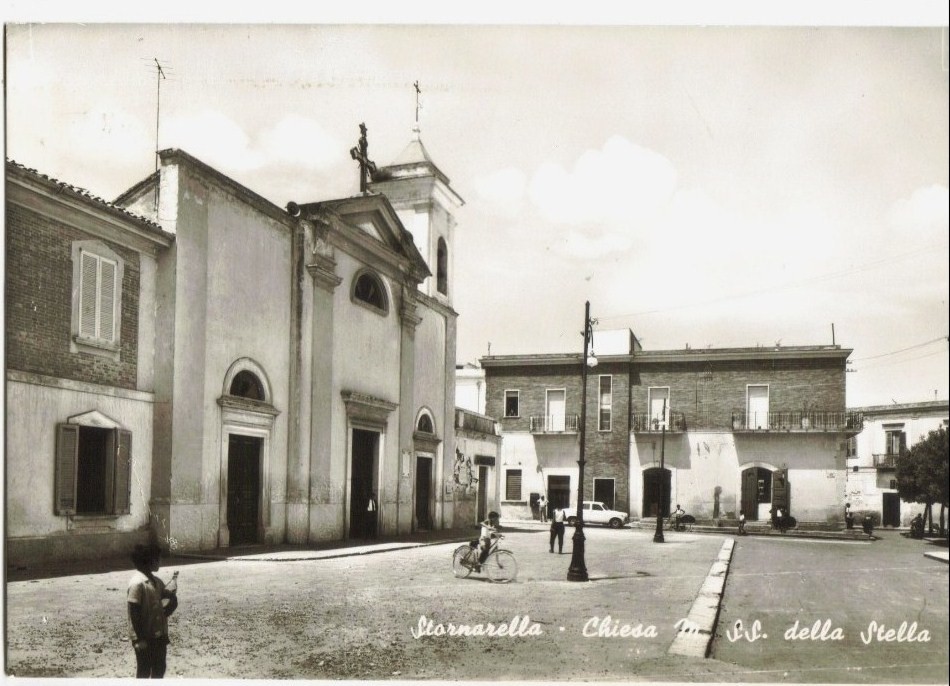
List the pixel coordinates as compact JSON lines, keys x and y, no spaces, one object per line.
{"x":295,"y":373}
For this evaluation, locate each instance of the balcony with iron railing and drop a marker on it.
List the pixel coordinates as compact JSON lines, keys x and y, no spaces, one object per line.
{"x":645,"y":422}
{"x":554,"y":424}
{"x":810,"y":420}
{"x":886,"y":460}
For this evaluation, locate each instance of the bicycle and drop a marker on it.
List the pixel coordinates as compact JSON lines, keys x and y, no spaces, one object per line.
{"x":685,"y":523}
{"x":500,"y":565}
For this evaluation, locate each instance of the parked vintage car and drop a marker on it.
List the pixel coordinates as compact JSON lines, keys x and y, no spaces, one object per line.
{"x":597,"y":513}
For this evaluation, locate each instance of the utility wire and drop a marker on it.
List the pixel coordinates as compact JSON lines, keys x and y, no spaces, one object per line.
{"x":791,"y":284}
{"x":902,"y":350}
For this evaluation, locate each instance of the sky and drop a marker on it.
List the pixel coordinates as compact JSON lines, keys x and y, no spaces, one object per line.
{"x":701,"y":184}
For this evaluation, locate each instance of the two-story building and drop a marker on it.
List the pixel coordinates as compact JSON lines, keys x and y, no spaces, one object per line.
{"x":197,"y":363}
{"x":716,"y":430}
{"x":889,"y":431}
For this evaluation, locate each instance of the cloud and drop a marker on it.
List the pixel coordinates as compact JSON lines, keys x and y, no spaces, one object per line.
{"x":926,"y":213}
{"x":619,"y":185}
{"x":220,"y":141}
{"x":300,"y":141}
{"x":213,"y":138}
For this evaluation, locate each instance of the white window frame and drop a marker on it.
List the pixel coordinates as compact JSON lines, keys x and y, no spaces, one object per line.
{"x":549,"y":421}
{"x":105,"y":344}
{"x":665,"y":421}
{"x":748,"y":414}
{"x":520,"y":497}
{"x":504,"y":409}
{"x":609,"y":407}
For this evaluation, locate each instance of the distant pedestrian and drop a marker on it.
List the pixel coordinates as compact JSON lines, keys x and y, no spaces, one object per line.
{"x":543,"y":507}
{"x":848,"y":516}
{"x":742,"y":523}
{"x":372,"y":513}
{"x":148,"y":615}
{"x":557,"y":529}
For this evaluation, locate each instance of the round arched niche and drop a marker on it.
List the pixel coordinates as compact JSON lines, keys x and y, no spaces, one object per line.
{"x":424,"y":435}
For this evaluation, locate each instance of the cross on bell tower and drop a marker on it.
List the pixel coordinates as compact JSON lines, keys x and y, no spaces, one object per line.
{"x":360,"y":154}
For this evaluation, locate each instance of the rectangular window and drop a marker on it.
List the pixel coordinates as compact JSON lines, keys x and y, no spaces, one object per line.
{"x":97,"y":290}
{"x":96,"y":321}
{"x":757,"y":407}
{"x":659,"y":399}
{"x":512,"y":408}
{"x":852,"y":447}
{"x":513,"y":484}
{"x":606,"y":403}
{"x":93,"y":470}
{"x":895,"y":442}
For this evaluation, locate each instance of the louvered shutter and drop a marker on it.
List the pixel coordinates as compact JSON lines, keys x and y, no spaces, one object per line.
{"x":67,"y":454}
{"x":88,"y":295}
{"x":123,"y":472}
{"x":107,"y":287}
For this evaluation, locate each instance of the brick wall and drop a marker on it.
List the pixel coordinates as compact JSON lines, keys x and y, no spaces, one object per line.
{"x":606,"y":452}
{"x":707,"y":394}
{"x":39,"y":274}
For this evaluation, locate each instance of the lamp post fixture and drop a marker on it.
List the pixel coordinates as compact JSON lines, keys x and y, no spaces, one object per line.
{"x":658,"y":535}
{"x":578,"y":569}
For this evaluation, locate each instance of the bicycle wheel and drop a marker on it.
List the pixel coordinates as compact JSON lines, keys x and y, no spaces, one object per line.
{"x":460,"y":566}
{"x":501,"y":566}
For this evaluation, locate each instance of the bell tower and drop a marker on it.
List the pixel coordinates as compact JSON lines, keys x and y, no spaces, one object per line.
{"x":425,"y":202}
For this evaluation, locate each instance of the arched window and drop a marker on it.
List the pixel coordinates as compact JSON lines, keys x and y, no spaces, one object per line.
{"x":247,"y":385}
{"x":368,"y":289}
{"x":442,"y":267}
{"x":424,"y":425}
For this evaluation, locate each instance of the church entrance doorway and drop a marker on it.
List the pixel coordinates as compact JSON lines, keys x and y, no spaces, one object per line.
{"x":244,"y":489}
{"x":423,"y":492}
{"x":363,"y":520}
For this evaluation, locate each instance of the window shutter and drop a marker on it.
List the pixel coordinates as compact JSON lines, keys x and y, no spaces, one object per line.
{"x":123,"y":472}
{"x":67,"y":454}
{"x":513,"y":484}
{"x":87,"y":295}
{"x":107,"y":301}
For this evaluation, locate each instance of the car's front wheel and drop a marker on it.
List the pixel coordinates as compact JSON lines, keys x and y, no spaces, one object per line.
{"x":615,"y":523}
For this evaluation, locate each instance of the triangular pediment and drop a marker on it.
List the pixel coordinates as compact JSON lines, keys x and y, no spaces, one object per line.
{"x":373,"y":216}
{"x":94,"y":418}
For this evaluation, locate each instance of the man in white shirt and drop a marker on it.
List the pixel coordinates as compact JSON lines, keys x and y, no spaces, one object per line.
{"x":557,"y":529}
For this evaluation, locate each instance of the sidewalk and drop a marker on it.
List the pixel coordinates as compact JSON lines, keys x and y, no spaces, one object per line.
{"x":262,"y":552}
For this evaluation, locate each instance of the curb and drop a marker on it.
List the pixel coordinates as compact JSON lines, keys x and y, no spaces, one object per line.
{"x":317,"y":554}
{"x":939,"y":556}
{"x":696,"y":633}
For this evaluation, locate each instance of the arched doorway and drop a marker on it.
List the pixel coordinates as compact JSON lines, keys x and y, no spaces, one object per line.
{"x":247,"y":422}
{"x":654,"y":480}
{"x":764,"y":489}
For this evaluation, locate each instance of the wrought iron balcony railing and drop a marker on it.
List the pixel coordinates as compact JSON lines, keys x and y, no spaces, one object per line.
{"x":811,"y":420}
{"x":553,"y":424}
{"x":886,"y":460}
{"x":644,"y":422}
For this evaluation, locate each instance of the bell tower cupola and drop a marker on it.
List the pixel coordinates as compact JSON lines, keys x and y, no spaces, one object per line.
{"x":426,"y":204}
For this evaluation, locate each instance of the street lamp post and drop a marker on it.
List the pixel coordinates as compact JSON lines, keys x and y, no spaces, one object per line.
{"x":658,"y":535}
{"x":578,"y":569}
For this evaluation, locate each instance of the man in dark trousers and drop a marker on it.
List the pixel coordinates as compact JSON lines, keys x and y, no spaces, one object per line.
{"x":557,"y":529}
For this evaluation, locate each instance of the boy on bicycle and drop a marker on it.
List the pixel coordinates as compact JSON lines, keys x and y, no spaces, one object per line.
{"x":489,"y":531}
